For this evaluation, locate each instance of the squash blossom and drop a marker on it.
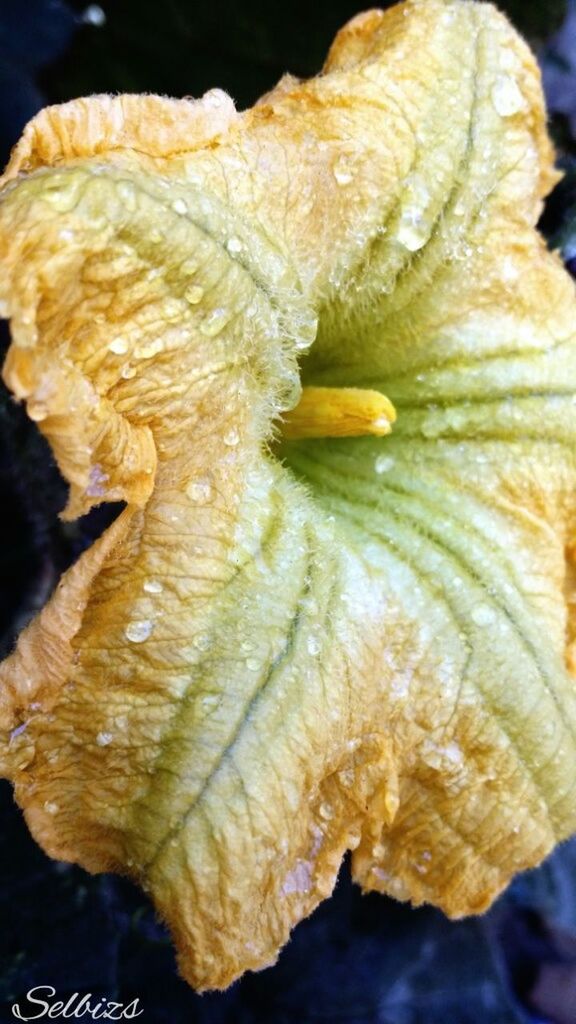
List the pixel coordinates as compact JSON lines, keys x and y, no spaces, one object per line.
{"x":322,"y":354}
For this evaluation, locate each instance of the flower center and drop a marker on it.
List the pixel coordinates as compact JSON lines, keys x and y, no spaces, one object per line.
{"x":339,"y":412}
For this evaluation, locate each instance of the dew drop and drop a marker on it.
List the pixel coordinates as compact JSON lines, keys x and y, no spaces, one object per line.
{"x":234,"y":246}
{"x":510,"y":271}
{"x":37,"y":411}
{"x":194,"y":294}
{"x":138,"y":631}
{"x":342,"y":171}
{"x":216,"y":98}
{"x":103,"y":739}
{"x":200,"y":491}
{"x":173,"y":309}
{"x":413,"y":232}
{"x":202,"y":642}
{"x":189,"y":267}
{"x":302,"y":343}
{"x":50,"y":807}
{"x":153,"y":587}
{"x":346,"y":777}
{"x":232,"y":437}
{"x":62,"y":200}
{"x":506,"y":96}
{"x":252,"y":664}
{"x":119,"y":346}
{"x":96,"y":482}
{"x":483,"y":615}
{"x":214,"y":322}
{"x":150,"y":349}
{"x":383,"y":463}
{"x":179,"y":206}
{"x":127,"y":372}
{"x":18,"y":731}
{"x":313,"y":645}
{"x":127,"y":193}
{"x":326,"y":811}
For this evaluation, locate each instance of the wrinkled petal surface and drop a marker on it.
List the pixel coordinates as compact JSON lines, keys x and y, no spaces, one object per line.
{"x":285,"y":649}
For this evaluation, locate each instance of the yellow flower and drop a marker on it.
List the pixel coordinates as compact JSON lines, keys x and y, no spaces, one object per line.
{"x":285,"y":648}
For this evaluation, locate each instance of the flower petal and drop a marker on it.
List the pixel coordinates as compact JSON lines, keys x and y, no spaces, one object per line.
{"x":267,"y":662}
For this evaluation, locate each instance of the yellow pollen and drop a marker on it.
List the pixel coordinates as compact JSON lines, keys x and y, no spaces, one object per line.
{"x":339,"y":412}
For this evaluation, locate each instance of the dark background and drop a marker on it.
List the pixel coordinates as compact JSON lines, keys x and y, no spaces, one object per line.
{"x":358,"y":960}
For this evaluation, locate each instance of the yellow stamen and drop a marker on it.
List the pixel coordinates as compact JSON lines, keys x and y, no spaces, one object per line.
{"x":339,"y":412}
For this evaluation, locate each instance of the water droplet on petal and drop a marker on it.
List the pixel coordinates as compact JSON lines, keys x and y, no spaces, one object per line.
{"x":189,"y":267}
{"x":510,"y":271}
{"x":153,"y":587}
{"x":313,"y":645}
{"x":179,"y":206}
{"x":200,"y":491}
{"x":202,"y":641}
{"x":234,"y":245}
{"x":51,"y":808}
{"x":383,"y":463}
{"x":302,"y":343}
{"x":232,"y":437}
{"x":128,"y":372}
{"x":216,"y":98}
{"x":37,"y":411}
{"x":149,"y":349}
{"x":342,"y":171}
{"x":413,"y":232}
{"x":127,"y":193}
{"x":138,"y":631}
{"x":483,"y":615}
{"x":62,"y":199}
{"x":346,"y":777}
{"x":119,"y":346}
{"x":103,"y":739}
{"x":506,"y":96}
{"x":96,"y":482}
{"x":214,"y":322}
{"x":18,"y":731}
{"x":194,"y":294}
{"x":253,"y":664}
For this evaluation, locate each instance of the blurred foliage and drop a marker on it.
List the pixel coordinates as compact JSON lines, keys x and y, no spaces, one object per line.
{"x":179,"y":47}
{"x":537,"y":19}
